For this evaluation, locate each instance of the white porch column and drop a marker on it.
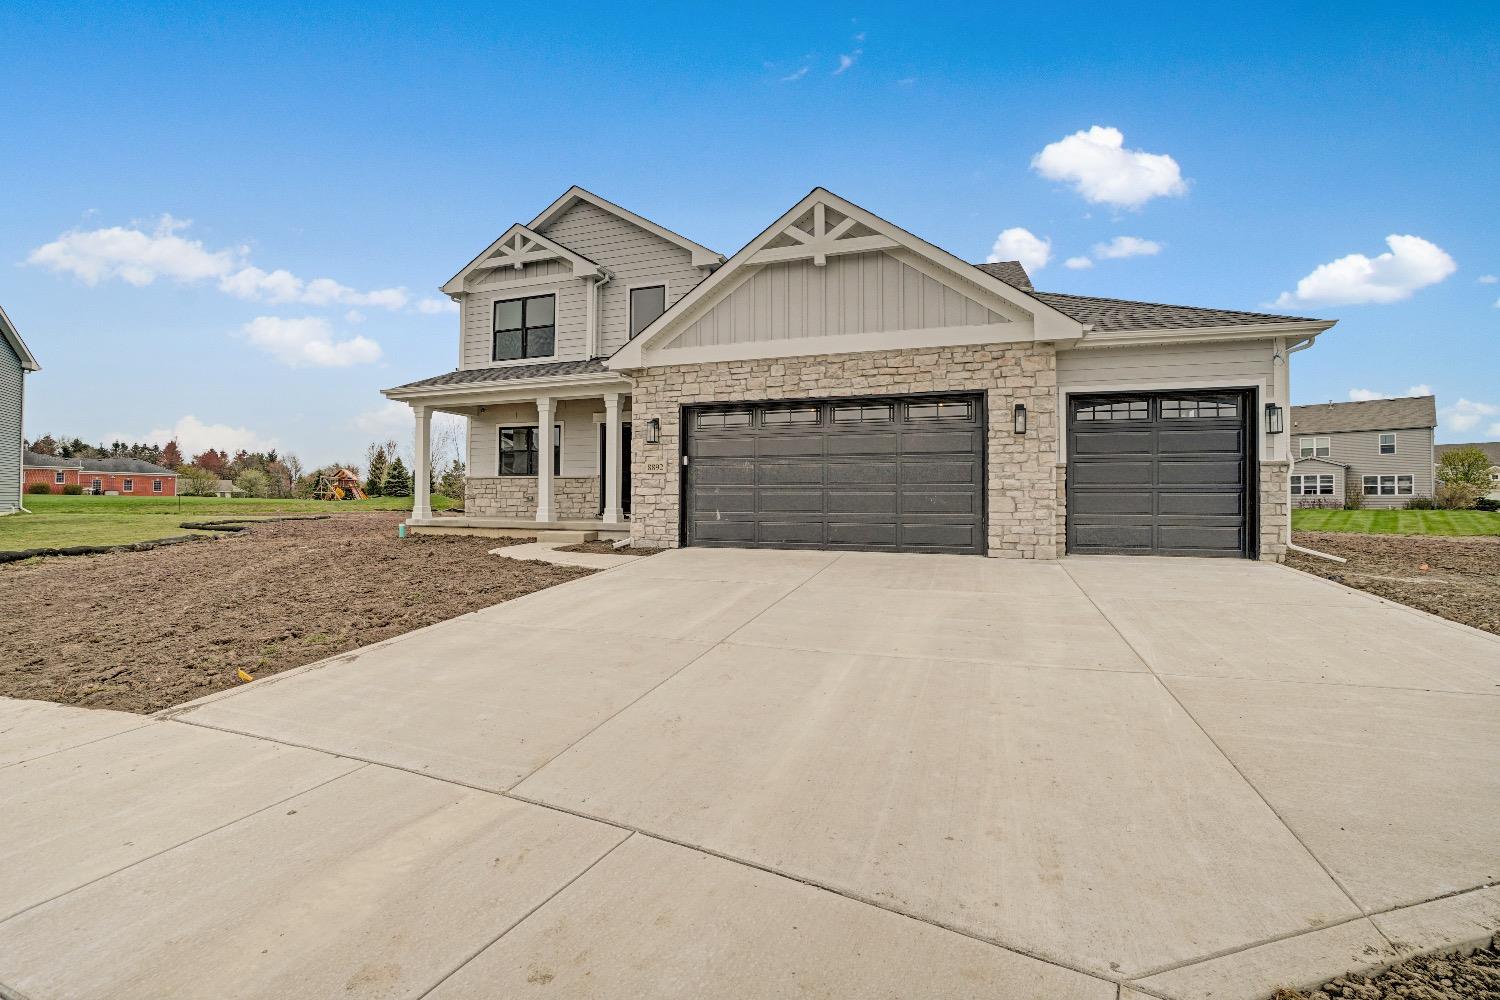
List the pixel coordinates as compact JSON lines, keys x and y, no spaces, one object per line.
{"x":544,"y":470}
{"x":610,"y":481}
{"x":422,"y":506}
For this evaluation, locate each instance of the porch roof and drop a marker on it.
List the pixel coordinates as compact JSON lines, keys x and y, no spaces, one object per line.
{"x":508,"y":373}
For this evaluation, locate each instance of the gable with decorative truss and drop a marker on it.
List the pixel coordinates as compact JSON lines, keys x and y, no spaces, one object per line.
{"x":519,"y":247}
{"x":829,"y":277}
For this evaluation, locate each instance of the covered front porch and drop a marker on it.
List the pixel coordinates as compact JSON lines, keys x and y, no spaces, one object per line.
{"x":546,"y":456}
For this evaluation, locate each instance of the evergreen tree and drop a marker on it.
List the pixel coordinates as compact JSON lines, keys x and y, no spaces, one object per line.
{"x":452,"y":483}
{"x":398,"y":480}
{"x":375,"y":482}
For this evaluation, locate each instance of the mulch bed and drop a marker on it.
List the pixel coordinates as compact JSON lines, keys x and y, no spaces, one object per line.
{"x":1461,"y":582}
{"x":140,"y":631}
{"x":1431,"y":977}
{"x":601,"y":547}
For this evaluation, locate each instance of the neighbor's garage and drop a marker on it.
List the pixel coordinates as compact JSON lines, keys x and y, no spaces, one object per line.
{"x":1160,"y":474}
{"x":894,"y":474}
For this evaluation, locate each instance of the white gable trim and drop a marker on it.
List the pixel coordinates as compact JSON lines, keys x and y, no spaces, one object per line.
{"x":702,"y":255}
{"x":12,"y":337}
{"x":518,"y":246}
{"x":1046,"y":323}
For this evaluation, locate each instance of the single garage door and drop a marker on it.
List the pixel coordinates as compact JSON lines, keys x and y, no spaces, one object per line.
{"x":902,"y":474}
{"x":1160,"y":474}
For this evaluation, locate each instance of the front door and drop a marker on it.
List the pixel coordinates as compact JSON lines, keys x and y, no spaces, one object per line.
{"x":624,"y":469}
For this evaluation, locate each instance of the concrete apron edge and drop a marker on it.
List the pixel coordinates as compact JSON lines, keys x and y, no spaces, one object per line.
{"x":1388,"y":603}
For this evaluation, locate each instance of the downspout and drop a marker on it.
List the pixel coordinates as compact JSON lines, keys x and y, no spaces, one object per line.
{"x":1285,"y":353}
{"x":596,"y":306}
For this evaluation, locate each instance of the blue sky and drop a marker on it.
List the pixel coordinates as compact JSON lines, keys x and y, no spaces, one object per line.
{"x":160,"y":166}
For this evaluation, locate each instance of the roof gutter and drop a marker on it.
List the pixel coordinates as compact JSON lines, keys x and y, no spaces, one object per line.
{"x":467,"y":388}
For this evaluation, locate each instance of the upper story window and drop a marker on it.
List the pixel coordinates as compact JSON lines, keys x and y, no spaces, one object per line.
{"x":525,"y":328}
{"x":1388,"y":444}
{"x":645,"y":305}
{"x":1313,"y":447}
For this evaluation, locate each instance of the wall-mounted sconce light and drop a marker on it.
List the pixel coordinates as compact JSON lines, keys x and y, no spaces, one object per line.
{"x":1020,"y":413}
{"x":1273,"y":418}
{"x":653,"y":431}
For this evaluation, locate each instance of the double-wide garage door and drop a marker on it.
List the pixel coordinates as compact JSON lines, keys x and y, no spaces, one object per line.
{"x":1160,"y":474}
{"x":899,"y":474}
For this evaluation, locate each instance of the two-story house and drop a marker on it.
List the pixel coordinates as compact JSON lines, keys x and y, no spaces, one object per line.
{"x":1381,"y":449}
{"x":841,"y":383}
{"x":1491,"y":450}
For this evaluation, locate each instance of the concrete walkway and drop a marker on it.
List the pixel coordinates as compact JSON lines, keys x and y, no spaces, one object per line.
{"x":739,"y":774}
{"x":552,"y":552}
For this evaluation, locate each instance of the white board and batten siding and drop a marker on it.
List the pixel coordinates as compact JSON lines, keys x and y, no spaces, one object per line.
{"x":850,"y":294}
{"x":12,"y":385}
{"x":549,"y":277}
{"x":635,"y":258}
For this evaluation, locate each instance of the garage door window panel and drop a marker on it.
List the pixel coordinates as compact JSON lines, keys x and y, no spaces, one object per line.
{"x":962,"y":409}
{"x":867,"y":413}
{"x":1131,"y":409}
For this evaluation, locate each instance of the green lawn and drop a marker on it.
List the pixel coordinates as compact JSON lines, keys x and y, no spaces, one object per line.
{"x":58,"y":521}
{"x":1398,"y":522}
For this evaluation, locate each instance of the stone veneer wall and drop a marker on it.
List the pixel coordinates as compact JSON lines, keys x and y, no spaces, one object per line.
{"x":573,"y":497}
{"x":1275,"y":509}
{"x":1022,"y":485}
{"x":1062,"y":508}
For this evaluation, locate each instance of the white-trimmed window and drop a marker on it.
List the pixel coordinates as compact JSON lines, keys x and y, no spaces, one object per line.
{"x":1388,"y":444}
{"x":1388,"y":486}
{"x":59,"y":477}
{"x":97,"y":485}
{"x":646,"y":304}
{"x":156,"y":485}
{"x":1313,"y":485}
{"x":518,"y":451}
{"x":1314,"y":447}
{"x":128,"y":485}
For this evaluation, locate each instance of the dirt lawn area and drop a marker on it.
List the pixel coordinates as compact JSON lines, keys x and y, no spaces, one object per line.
{"x":141,"y":631}
{"x":1475,"y":976}
{"x":1461,"y":582}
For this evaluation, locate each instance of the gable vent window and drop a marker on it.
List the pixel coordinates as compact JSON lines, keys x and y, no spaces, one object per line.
{"x":525,"y":328}
{"x":646,"y":304}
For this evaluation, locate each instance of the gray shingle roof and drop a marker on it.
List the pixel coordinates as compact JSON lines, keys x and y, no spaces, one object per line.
{"x":33,"y":460}
{"x":1367,"y":415}
{"x":1121,"y":315}
{"x":509,"y":372}
{"x":1490,"y":448}
{"x":131,"y":465}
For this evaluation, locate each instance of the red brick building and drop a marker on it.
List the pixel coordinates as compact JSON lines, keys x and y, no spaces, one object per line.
{"x":123,"y":476}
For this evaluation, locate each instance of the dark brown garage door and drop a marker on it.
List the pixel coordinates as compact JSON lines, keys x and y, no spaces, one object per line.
{"x":890,"y":474}
{"x":1160,"y":474}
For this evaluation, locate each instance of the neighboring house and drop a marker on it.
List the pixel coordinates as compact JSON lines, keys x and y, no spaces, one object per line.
{"x":224,"y":489}
{"x":1490,"y":448}
{"x":1380,"y":448}
{"x":840,"y":383}
{"x":15,"y":362}
{"x":123,"y":476}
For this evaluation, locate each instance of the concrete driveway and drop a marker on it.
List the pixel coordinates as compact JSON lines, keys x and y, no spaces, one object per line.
{"x":739,"y":774}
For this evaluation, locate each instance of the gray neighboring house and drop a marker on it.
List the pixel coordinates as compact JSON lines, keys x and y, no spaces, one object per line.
{"x":15,"y":362}
{"x":841,"y":383}
{"x":1490,"y":448}
{"x":1381,"y":449}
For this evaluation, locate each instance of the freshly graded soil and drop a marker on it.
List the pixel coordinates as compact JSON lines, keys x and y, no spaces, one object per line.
{"x":1431,"y":977}
{"x":141,"y":631}
{"x":1461,"y":582}
{"x":601,"y":547}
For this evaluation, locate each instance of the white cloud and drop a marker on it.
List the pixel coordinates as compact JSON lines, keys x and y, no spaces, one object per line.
{"x":389,"y":419}
{"x":1361,"y":395}
{"x":139,"y":257}
{"x":1466,"y":414}
{"x":308,"y":342}
{"x":1411,"y":264}
{"x":193,"y":436}
{"x":1021,"y":244}
{"x":1126,"y":246}
{"x":434,"y":306}
{"x":1488,"y":279}
{"x":795,"y":75}
{"x":1103,"y":171}
{"x":133,"y":255}
{"x":1494,"y":431}
{"x":847,"y":60}
{"x":1078,"y":263}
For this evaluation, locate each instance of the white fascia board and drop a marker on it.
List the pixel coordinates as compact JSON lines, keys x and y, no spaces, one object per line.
{"x":702,"y":255}
{"x":523,"y":388}
{"x":582,"y":266}
{"x":1047,"y":322}
{"x":1191,"y":335}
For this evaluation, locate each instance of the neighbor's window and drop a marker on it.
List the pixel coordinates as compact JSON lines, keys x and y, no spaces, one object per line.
{"x":127,"y":486}
{"x":1124,"y":409}
{"x":1310,"y":486}
{"x":645,"y":305}
{"x":525,"y":328}
{"x":1388,"y":444}
{"x":1313,"y":447}
{"x":940,"y":410}
{"x":59,"y":477}
{"x":1178,"y":409}
{"x":98,"y":484}
{"x":518,"y":455}
{"x":155,"y":486}
{"x":1388,"y":486}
